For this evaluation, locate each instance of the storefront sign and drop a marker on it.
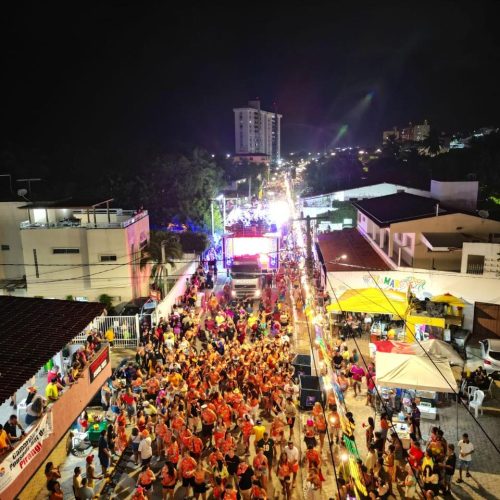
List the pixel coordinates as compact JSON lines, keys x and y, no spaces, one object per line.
{"x":99,"y":363}
{"x":408,"y":283}
{"x":14,"y":463}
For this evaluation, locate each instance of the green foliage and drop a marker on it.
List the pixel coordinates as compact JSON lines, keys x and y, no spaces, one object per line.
{"x":69,"y":297}
{"x":333,"y":173}
{"x":106,"y":300}
{"x":193,"y":242}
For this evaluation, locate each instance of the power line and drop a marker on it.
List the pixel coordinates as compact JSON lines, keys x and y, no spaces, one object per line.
{"x":418,"y":342}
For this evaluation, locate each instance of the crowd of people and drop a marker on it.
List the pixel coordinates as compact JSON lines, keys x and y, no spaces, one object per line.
{"x":210,"y":402}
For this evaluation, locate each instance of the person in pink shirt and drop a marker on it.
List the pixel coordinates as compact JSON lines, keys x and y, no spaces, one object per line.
{"x":357,"y":376}
{"x":52,"y":373}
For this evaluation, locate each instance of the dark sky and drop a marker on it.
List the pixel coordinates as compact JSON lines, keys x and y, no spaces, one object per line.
{"x":119,"y":73}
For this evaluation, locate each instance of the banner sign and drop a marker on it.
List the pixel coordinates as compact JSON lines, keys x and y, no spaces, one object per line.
{"x":18,"y":459}
{"x":99,"y":363}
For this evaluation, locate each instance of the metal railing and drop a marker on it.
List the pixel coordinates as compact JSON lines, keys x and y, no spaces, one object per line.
{"x":81,"y":223}
{"x":126,"y":330}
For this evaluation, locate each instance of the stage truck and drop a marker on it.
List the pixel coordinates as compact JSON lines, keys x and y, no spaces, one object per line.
{"x":250,"y":260}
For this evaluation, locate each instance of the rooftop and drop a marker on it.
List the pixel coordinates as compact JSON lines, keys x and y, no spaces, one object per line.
{"x":35,"y":330}
{"x":399,"y":207}
{"x":69,"y":202}
{"x":448,"y":241}
{"x":359,"y":253}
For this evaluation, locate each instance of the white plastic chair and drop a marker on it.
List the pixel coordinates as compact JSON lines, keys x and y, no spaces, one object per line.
{"x":471,"y":390}
{"x":21,"y":406}
{"x":490,"y":388}
{"x":477,"y":402}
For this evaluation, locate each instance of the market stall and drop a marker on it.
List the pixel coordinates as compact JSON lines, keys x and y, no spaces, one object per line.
{"x":422,"y":378}
{"x":388,"y":309}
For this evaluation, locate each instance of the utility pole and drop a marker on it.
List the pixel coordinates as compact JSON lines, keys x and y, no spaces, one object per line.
{"x":309,"y":245}
{"x":249,"y":188}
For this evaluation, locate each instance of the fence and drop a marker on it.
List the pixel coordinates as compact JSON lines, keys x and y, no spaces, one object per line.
{"x":126,"y":329}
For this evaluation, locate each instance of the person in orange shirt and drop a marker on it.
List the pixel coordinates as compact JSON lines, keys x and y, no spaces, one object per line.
{"x":196,"y":447}
{"x":186,"y":437}
{"x":172,"y":452}
{"x":219,"y":432}
{"x":313,"y":457}
{"x":320,"y":426}
{"x":200,"y":481}
{"x":246,"y":426}
{"x":168,"y":481}
{"x":187,"y":466}
{"x":146,"y":479}
{"x":284,"y":475}
{"x":208,"y":419}
{"x":261,"y":467}
{"x":162,"y":434}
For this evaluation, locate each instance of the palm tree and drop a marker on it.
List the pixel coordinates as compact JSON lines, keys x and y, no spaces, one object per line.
{"x":163,"y":248}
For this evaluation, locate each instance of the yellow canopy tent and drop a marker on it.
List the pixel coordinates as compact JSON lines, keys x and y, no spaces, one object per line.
{"x":371,"y":301}
{"x":417,"y":319}
{"x":449,"y":299}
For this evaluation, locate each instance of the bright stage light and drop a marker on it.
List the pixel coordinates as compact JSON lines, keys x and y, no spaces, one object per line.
{"x":279,"y":211}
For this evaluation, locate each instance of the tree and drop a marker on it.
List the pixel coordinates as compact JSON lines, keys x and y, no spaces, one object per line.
{"x":163,"y":248}
{"x":432,"y":144}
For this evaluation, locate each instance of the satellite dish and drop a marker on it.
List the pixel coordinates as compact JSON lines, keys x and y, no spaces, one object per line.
{"x":22,"y":192}
{"x":484,"y":214}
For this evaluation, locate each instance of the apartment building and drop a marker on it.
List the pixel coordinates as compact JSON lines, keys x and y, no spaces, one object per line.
{"x":257,"y":132}
{"x":76,"y":249}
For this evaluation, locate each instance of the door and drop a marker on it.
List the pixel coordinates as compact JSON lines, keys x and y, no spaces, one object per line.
{"x":486,"y":320}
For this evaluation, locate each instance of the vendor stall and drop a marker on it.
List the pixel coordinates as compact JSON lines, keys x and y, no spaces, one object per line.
{"x":417,"y":373}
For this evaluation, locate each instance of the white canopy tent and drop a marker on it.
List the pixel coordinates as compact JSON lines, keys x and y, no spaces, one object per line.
{"x":439,"y":350}
{"x":407,"y":371}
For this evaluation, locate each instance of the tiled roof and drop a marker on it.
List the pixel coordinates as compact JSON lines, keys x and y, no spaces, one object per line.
{"x":399,"y":207}
{"x":360,"y":255}
{"x":34,"y":330}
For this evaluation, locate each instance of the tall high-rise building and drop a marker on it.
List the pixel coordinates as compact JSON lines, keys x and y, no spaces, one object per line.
{"x":256,"y":131}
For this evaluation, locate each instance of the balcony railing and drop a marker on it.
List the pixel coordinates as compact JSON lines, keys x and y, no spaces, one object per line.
{"x":81,"y":223}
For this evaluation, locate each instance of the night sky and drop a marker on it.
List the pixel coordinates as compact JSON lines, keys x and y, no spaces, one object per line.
{"x":145,"y":72}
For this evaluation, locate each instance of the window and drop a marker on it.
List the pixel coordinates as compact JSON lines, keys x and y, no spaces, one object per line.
{"x":107,"y":258}
{"x":5,"y":247}
{"x":475,"y":264}
{"x":65,"y":250}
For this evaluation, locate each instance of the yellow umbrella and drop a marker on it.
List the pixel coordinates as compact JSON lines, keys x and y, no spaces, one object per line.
{"x":449,"y":299}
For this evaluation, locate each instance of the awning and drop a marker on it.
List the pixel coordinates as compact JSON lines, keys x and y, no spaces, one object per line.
{"x":438,"y":350}
{"x":449,"y":299}
{"x":371,"y":301}
{"x":407,"y":371}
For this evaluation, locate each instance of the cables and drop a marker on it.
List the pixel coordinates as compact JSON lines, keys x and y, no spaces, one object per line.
{"x":420,"y":345}
{"x":384,"y":404}
{"x":442,"y":375}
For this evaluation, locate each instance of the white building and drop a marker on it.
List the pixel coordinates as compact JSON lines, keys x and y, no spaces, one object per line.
{"x":82,"y":250}
{"x":257,"y":131}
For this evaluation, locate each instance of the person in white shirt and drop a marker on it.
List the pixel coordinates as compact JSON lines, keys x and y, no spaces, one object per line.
{"x":293,"y":455}
{"x":145,"y":448}
{"x":466,"y":449}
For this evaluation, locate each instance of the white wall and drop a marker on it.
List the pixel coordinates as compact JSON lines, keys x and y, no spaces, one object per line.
{"x":491,"y":252}
{"x":456,"y":194}
{"x":186,"y":271}
{"x":83,"y":274}
{"x":424,"y":284}
{"x":10,"y":218}
{"x":374,"y":191}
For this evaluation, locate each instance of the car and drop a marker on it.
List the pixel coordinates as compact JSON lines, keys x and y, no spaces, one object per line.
{"x":141,"y":306}
{"x":490,"y":353}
